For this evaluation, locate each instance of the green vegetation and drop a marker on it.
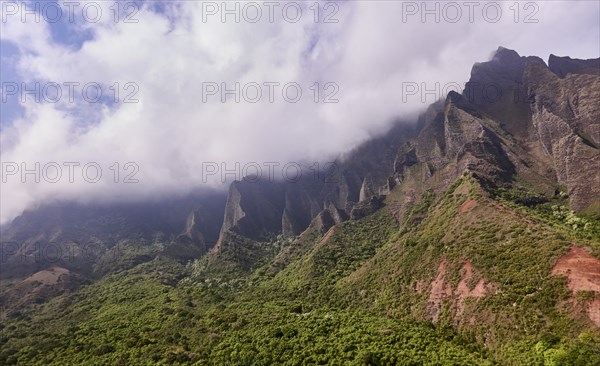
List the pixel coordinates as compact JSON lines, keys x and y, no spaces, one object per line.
{"x":360,"y":296}
{"x":140,"y":317}
{"x":555,"y":213}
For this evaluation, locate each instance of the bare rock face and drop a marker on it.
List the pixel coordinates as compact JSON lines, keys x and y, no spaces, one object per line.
{"x":496,"y":89}
{"x":454,"y":138}
{"x":300,"y":207}
{"x":367,"y":189}
{"x":542,"y":125}
{"x":562,"y":66}
{"x":518,"y":118}
{"x":192,"y":230}
{"x":367,"y":207}
{"x":328,"y":218}
{"x":197,"y":237}
{"x":259,"y":209}
{"x":566,"y":115}
{"x":254,"y":208}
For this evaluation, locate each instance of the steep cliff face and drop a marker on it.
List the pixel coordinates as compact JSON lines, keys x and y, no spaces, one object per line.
{"x":550,"y":112}
{"x":455,"y":137}
{"x":254,"y":209}
{"x":518,"y":120}
{"x":259,"y":209}
{"x":496,"y":89}
{"x":537,"y":126}
{"x":566,"y":116}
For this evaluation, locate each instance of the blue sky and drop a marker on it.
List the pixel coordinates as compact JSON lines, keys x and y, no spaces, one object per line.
{"x":63,"y":30}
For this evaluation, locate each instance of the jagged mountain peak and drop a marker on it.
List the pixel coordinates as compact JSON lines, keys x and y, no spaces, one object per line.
{"x":562,"y":66}
{"x":480,"y":132}
{"x":505,"y":64}
{"x":503,"y":54}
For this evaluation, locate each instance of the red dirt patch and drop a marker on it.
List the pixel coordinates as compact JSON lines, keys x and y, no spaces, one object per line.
{"x":462,"y":289}
{"x":467,"y":206}
{"x":583,"y":274}
{"x":593,"y":311}
{"x":581,"y":268}
{"x":441,"y":289}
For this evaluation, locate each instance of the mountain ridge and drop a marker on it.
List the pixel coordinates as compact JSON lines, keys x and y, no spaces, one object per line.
{"x":465,"y":226}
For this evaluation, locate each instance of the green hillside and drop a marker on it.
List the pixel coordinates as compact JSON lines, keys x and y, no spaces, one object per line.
{"x":365,"y":294}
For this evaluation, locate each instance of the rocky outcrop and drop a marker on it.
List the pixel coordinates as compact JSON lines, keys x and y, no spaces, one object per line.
{"x":566,"y":116}
{"x":562,"y":66}
{"x":192,"y":230}
{"x":300,"y":207}
{"x":254,"y":209}
{"x":454,"y":138}
{"x":496,"y":89}
{"x":516,"y":118}
{"x":262,"y":209}
{"x":537,"y":126}
{"x":367,"y":207}
{"x":327,"y":219}
{"x":368,"y":188}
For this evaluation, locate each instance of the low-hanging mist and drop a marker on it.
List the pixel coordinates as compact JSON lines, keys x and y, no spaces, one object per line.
{"x":178,"y":60}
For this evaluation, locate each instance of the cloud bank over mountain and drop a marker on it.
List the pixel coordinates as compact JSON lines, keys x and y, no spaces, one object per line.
{"x":311,"y":85}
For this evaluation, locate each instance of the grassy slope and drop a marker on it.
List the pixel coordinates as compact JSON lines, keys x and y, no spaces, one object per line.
{"x":509,"y":245}
{"x":350,"y":299}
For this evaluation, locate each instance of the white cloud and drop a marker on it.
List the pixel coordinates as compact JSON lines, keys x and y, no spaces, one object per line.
{"x":369,"y":54}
